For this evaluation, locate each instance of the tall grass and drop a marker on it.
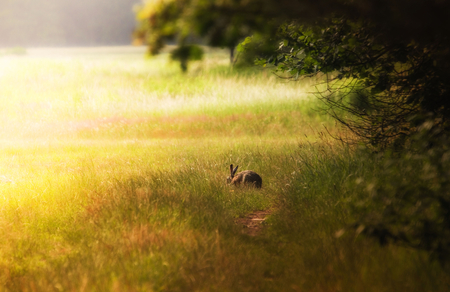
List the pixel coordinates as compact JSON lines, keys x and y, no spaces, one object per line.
{"x":113,"y":173}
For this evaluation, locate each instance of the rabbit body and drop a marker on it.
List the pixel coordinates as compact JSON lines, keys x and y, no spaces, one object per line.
{"x":246,"y":177}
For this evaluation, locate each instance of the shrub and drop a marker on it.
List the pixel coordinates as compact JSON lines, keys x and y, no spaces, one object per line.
{"x":186,"y":53}
{"x":407,"y":199}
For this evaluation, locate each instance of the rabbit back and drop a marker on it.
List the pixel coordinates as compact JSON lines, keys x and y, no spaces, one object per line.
{"x":247,"y":177}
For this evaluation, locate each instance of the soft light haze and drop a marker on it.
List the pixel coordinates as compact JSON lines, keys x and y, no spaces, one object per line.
{"x":40,"y":23}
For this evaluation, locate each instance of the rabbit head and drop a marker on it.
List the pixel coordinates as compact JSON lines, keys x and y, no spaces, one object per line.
{"x":232,"y":173}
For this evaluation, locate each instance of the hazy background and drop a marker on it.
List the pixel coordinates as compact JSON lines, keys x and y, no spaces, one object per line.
{"x":39,"y":23}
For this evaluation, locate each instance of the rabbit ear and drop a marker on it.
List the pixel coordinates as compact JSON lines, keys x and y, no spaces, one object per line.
{"x":231,"y":170}
{"x":234,"y":171}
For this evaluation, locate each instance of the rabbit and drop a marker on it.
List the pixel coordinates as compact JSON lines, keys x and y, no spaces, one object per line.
{"x":247,"y":177}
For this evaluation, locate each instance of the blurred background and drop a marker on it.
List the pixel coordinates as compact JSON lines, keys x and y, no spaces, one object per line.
{"x":43,"y":23}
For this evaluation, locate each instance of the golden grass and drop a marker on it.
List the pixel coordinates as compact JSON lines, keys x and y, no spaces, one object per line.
{"x":112,"y":177}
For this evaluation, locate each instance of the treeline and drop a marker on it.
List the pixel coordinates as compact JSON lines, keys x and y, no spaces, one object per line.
{"x":31,"y":23}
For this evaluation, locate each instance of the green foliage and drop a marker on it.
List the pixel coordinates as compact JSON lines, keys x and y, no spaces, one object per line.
{"x":254,"y":47}
{"x":406,"y":199}
{"x":186,"y":53}
{"x":217,"y":23}
{"x":158,"y":22}
{"x":401,"y":82}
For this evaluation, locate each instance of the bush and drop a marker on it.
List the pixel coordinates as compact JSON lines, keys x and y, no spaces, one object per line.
{"x":407,"y":199}
{"x":186,"y":53}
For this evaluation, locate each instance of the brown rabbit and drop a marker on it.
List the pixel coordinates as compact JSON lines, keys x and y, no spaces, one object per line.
{"x":247,"y":177}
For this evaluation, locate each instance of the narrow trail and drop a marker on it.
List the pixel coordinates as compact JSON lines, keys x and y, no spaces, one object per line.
{"x":253,"y":223}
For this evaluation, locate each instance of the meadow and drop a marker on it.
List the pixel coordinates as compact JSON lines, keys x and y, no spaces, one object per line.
{"x":113,"y":178}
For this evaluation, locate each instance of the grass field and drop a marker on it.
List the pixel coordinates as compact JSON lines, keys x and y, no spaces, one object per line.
{"x":113,"y":171}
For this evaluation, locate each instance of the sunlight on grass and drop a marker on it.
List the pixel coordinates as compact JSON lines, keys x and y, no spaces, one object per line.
{"x":113,"y":171}
{"x":47,"y":98}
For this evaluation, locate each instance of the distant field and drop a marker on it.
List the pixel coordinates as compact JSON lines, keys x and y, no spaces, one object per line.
{"x":113,"y":171}
{"x":61,"y":91}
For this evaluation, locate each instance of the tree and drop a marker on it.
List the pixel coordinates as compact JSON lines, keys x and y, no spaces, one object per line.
{"x":216,"y":23}
{"x":186,"y":53}
{"x":382,"y":90}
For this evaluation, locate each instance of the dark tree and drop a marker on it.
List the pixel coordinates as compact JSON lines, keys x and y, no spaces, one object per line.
{"x":381,"y":89}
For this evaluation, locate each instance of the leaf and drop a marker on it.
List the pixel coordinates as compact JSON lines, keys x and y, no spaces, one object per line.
{"x":241,"y":46}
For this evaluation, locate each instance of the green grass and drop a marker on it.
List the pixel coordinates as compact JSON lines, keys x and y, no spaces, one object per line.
{"x":113,"y":171}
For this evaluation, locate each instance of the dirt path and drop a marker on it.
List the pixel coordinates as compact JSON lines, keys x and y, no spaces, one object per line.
{"x":253,"y":223}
